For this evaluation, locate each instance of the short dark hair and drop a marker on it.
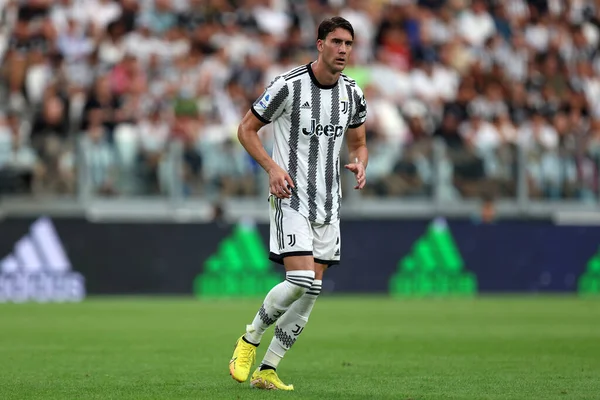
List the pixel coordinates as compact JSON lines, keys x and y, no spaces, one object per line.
{"x":331,"y":24}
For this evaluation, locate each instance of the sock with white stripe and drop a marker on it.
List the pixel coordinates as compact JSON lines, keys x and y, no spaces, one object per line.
{"x":278,"y":300}
{"x":290,"y":326}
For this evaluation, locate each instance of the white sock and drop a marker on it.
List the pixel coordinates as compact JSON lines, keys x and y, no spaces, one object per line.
{"x":278,"y":300}
{"x":291,"y":325}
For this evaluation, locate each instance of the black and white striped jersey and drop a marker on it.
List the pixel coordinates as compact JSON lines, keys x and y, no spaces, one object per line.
{"x":309,"y":123}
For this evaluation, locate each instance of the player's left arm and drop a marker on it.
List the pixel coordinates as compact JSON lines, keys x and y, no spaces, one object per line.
{"x":356,"y":138}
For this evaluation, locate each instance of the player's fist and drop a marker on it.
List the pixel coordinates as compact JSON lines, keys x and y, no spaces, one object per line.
{"x":280,"y":183}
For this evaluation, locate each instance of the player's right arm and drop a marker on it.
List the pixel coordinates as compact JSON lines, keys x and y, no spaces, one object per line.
{"x":268,"y":107}
{"x":279,"y":180}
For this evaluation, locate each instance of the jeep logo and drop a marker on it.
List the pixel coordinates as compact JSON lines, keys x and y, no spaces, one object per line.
{"x":327,"y":130}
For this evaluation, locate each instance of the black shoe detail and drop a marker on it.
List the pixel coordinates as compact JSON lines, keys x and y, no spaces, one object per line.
{"x":247,"y":341}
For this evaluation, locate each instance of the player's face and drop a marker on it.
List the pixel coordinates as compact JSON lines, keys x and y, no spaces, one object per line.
{"x":335,"y":49}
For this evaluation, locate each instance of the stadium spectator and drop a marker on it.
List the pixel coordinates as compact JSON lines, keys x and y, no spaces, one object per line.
{"x":530,"y":67}
{"x":154,"y":131}
{"x":20,"y":168}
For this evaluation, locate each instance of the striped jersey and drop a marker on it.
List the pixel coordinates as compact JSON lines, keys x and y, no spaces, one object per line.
{"x":309,"y":122}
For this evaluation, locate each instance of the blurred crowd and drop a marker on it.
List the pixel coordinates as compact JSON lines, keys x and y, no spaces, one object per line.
{"x":466,"y":97}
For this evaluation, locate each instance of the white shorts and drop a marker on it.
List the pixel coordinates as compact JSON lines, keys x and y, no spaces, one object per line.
{"x":292,"y":234}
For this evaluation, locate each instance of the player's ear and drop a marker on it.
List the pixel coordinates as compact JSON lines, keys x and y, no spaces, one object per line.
{"x":320,"y":44}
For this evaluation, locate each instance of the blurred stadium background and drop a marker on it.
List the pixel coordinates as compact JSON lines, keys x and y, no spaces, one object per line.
{"x":121,"y":174}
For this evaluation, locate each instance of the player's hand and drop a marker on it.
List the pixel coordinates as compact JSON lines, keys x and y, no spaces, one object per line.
{"x":280,"y":183}
{"x":358,"y":169}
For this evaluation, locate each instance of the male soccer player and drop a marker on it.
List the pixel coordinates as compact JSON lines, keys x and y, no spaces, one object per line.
{"x":313,"y":108}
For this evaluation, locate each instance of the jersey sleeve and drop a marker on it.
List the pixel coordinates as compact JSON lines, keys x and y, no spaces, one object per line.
{"x":271,"y":103}
{"x":360,"y":109}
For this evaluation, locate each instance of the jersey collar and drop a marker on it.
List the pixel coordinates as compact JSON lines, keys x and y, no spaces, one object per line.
{"x":313,"y":78}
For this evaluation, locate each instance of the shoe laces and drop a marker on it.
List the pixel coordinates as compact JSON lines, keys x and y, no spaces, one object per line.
{"x":246,"y":354}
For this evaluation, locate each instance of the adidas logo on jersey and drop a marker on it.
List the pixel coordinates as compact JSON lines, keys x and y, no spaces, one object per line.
{"x":39,"y":270}
{"x":305,"y":106}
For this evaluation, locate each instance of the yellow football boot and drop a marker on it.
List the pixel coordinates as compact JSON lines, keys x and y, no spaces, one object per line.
{"x":242,"y":360}
{"x":268,"y":379}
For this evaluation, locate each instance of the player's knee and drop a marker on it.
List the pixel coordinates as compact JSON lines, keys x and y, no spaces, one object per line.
{"x":300,"y":281}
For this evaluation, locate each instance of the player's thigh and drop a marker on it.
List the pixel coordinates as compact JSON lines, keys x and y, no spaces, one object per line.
{"x":327,"y":243}
{"x":299,"y":263}
{"x":320,"y":270}
{"x":291,"y":239}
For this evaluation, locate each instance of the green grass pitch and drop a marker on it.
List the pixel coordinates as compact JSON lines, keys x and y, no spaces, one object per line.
{"x":353,"y":348}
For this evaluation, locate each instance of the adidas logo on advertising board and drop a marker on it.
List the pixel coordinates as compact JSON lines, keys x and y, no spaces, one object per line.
{"x":39,"y":269}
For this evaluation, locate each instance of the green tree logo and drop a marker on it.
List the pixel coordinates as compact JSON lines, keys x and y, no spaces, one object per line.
{"x":240,"y":267}
{"x":589,"y":282}
{"x":434,"y":267}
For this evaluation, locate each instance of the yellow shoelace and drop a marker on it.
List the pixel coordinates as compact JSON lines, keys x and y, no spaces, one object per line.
{"x":246,"y":355}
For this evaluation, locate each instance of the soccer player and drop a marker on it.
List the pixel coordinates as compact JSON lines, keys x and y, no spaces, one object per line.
{"x":313,"y":108}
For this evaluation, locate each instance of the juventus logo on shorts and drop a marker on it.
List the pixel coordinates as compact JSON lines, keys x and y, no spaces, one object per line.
{"x":292,"y":239}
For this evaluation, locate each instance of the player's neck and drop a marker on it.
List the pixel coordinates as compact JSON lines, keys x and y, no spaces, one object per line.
{"x":323,"y":75}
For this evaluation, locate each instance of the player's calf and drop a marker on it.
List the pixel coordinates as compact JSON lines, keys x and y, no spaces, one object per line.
{"x":277,"y":302}
{"x":290,"y":326}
